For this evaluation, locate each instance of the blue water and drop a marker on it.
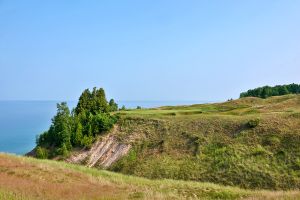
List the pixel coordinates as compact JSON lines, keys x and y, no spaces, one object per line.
{"x":22,"y":121}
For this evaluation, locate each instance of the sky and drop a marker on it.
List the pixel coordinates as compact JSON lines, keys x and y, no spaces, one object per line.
{"x":206,"y":50}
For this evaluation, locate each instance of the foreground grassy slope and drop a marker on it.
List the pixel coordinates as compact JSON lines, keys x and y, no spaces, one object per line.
{"x":215,"y":143}
{"x":24,"y":178}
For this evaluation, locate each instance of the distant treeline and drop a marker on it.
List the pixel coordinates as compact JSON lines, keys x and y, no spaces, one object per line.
{"x":267,"y":91}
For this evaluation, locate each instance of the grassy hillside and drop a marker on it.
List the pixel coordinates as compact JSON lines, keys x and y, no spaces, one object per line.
{"x":24,"y":178}
{"x":250,"y":142}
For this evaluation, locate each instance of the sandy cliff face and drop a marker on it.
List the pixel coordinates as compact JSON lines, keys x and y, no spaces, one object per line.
{"x":103,"y":153}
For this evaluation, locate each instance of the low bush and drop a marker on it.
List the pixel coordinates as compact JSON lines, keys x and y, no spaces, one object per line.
{"x":87,"y":141}
{"x":253,"y":123}
{"x":41,"y":153}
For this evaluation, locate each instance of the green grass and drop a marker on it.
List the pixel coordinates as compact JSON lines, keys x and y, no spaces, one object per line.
{"x":42,"y":176}
{"x":215,"y":143}
{"x":242,"y":106}
{"x":8,"y":195}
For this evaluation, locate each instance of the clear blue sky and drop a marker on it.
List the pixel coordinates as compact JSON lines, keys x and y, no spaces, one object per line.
{"x":146,"y":50}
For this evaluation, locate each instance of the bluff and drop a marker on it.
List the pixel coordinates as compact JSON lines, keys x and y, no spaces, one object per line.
{"x":249,"y":142}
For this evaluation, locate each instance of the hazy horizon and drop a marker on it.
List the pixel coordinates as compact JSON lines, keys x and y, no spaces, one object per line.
{"x":147,"y":50}
{"x":117,"y":101}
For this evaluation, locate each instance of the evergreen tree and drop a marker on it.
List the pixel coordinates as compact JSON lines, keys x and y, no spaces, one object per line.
{"x":267,"y":91}
{"x":101,"y":102}
{"x":61,"y":126}
{"x":78,"y":135}
{"x":84,"y":102}
{"x":59,"y":133}
{"x":113,"y":106}
{"x":79,"y":128}
{"x":92,"y":102}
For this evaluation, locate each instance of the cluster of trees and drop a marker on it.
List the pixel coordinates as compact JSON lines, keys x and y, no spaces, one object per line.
{"x":79,"y":127}
{"x":267,"y":91}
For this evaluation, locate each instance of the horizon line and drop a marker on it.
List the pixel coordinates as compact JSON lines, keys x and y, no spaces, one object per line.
{"x":59,"y":100}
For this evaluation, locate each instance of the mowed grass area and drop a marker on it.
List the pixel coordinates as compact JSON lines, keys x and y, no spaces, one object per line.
{"x":216,"y":143}
{"x":239,"y":107}
{"x":23,"y":178}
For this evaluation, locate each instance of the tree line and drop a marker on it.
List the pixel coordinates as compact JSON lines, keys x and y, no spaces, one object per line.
{"x":79,"y":127}
{"x":267,"y":91}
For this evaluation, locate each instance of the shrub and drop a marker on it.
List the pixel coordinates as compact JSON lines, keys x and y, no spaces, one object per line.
{"x":42,"y":139}
{"x":253,"y":123}
{"x":63,"y":150}
{"x":87,"y":141}
{"x":113,"y":106}
{"x":127,"y":163}
{"x":41,"y":153}
{"x":102,"y":122}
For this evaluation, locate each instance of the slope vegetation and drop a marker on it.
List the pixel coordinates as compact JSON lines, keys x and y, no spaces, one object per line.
{"x":24,"y":178}
{"x":250,"y":142}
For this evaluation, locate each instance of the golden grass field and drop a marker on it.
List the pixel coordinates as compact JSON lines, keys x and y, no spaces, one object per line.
{"x":23,"y":178}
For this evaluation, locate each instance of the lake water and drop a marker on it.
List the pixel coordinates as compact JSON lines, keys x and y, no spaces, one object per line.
{"x":22,"y":121}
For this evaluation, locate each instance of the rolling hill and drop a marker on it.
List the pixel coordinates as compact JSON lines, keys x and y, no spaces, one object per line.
{"x":250,"y":142}
{"x":23,"y":178}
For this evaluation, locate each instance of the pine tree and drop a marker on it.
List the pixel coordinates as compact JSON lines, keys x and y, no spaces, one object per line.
{"x":62,"y":126}
{"x":84,"y":103}
{"x":101,"y":102}
{"x":78,"y":135}
{"x":113,"y":106}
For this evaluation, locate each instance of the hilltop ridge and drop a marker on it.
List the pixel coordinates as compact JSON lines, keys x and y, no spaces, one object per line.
{"x":248,"y":142}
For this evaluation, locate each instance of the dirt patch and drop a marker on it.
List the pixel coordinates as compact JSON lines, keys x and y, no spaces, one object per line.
{"x":103,"y":153}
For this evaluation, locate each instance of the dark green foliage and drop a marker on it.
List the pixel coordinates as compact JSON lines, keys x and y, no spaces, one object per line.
{"x":79,"y":128}
{"x":60,"y":130}
{"x":123,"y":108}
{"x":99,"y":102}
{"x":63,"y":150}
{"x":43,"y":139}
{"x":253,"y":123}
{"x":113,"y":106}
{"x":102,"y":122}
{"x":92,"y":102}
{"x":267,"y":91}
{"x":77,"y":134}
{"x":84,"y":102}
{"x":139,"y":107}
{"x":87,"y":141}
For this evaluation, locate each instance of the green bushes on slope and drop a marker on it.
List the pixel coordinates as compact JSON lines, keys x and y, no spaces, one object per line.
{"x":79,"y":127}
{"x":214,"y":148}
